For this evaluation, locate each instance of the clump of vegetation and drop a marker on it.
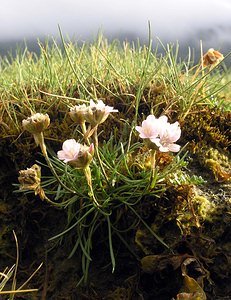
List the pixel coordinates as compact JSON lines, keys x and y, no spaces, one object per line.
{"x":143,"y":137}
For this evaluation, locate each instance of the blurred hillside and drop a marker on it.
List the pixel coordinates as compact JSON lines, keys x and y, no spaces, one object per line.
{"x":217,"y":38}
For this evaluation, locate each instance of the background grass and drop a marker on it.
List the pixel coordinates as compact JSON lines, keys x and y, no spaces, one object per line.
{"x":129,"y":76}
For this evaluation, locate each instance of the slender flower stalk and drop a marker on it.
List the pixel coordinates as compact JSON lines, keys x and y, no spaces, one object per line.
{"x":85,"y":134}
{"x":79,"y":156}
{"x":87,"y":173}
{"x":153,"y":169}
{"x":44,"y":151}
{"x":153,"y":158}
{"x":75,"y":154}
{"x":94,"y":114}
{"x":77,"y":114}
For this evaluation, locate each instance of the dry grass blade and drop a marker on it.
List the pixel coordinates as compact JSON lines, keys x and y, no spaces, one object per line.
{"x":6,"y":275}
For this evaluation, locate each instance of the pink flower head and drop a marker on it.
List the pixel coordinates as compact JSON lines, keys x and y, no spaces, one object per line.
{"x":167,"y":138}
{"x":151,"y":127}
{"x":76,"y":154}
{"x":160,"y":133}
{"x":70,"y":151}
{"x":98,"y":112}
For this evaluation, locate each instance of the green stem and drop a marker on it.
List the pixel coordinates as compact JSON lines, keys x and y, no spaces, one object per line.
{"x":153,"y":171}
{"x":153,"y":158}
{"x":52,"y":202}
{"x":87,"y":172}
{"x":84,"y":130}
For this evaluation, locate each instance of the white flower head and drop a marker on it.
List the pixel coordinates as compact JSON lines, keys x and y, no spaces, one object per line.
{"x":37,"y":123}
{"x":98,"y":112}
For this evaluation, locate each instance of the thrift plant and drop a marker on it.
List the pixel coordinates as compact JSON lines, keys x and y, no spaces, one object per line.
{"x":115,"y":166}
{"x":110,"y":182}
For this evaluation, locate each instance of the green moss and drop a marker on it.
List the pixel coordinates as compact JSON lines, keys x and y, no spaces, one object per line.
{"x":208,"y":128}
{"x":204,"y":208}
{"x":217,"y":162}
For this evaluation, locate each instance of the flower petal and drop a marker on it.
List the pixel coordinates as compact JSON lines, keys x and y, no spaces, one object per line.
{"x":62,"y":155}
{"x":174,"y":147}
{"x":70,"y":150}
{"x":68,"y":144}
{"x":156,"y":141}
{"x":163,"y":149}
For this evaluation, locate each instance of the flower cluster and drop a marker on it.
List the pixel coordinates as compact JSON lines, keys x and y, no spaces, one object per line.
{"x":78,"y":112}
{"x":74,"y":153}
{"x":95,"y":113}
{"x":160,"y":134}
{"x":100,"y":192}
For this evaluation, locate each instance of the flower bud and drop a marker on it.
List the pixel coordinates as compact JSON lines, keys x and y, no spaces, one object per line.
{"x":37,"y":123}
{"x":84,"y":158}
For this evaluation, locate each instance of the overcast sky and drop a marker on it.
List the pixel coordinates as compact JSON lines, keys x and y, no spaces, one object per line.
{"x":170,"y":19}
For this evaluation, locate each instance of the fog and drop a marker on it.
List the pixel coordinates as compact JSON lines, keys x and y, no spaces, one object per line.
{"x":184,"y":20}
